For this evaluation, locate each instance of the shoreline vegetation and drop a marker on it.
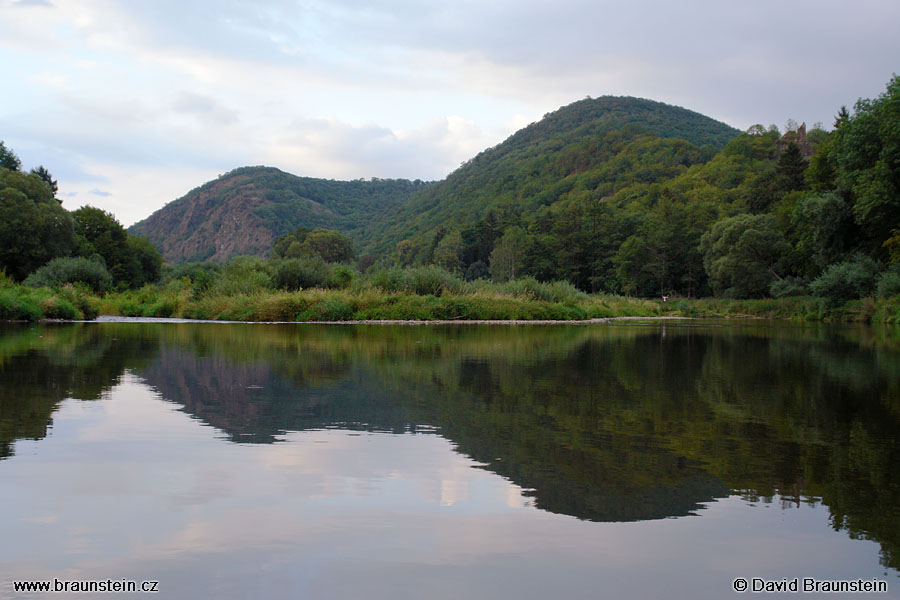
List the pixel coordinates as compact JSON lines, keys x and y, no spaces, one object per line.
{"x":411,"y":296}
{"x":593,"y":212}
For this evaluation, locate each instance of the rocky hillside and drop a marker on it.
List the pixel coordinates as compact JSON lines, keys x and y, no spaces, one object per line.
{"x":243,"y":211}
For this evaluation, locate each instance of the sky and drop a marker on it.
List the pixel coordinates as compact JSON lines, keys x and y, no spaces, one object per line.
{"x":131,"y":104}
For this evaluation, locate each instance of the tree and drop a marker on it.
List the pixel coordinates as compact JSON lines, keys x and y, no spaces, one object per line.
{"x":821,"y":231}
{"x":868,"y":158}
{"x":509,"y":254}
{"x":331,"y":246}
{"x":34,"y":227}
{"x":98,"y":232}
{"x":44,"y":174}
{"x":847,"y":280}
{"x":8,"y":158}
{"x":741,"y":255}
{"x":148,"y":259}
{"x":446,"y":254}
{"x":791,"y":169}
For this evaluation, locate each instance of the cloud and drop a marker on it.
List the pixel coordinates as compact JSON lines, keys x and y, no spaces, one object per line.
{"x":98,"y":192}
{"x":348,"y":151}
{"x":398,"y":88}
{"x":203,"y":106}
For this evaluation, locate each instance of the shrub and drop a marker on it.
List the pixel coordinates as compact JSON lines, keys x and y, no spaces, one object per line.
{"x":341,"y":277}
{"x":789,"y":286}
{"x":846,"y":281}
{"x":61,"y":271}
{"x":328,"y":309}
{"x":889,"y":282}
{"x":79,"y":296}
{"x":389,"y":280}
{"x":15,"y":306}
{"x":243,"y":275}
{"x":54,"y":307}
{"x":298,"y":273}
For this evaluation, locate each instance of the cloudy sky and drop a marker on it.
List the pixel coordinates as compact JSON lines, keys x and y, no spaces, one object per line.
{"x":130,"y":104}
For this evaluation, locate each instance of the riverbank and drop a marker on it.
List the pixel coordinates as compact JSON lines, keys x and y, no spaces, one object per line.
{"x":525,"y":304}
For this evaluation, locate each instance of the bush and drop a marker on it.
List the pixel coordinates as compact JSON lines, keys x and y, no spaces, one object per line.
{"x":845,"y":281}
{"x":200,"y":275}
{"x":61,"y":271}
{"x":889,"y":282}
{"x":341,"y":277}
{"x":243,"y":275}
{"x":80,"y":298}
{"x":15,"y":306}
{"x":789,"y":286}
{"x":421,"y":281}
{"x":529,"y":287}
{"x":389,"y":280}
{"x":54,"y":307}
{"x":328,"y":309}
{"x":298,"y":273}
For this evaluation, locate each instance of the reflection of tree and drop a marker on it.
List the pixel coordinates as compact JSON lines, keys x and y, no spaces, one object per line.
{"x":602,"y":423}
{"x":40,"y":367}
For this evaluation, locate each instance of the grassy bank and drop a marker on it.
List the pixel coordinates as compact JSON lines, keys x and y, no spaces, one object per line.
{"x":68,"y":302}
{"x":479,"y":302}
{"x":412,"y":299}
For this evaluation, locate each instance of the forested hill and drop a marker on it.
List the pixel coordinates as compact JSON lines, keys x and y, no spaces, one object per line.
{"x":594,"y":145}
{"x":243,"y":211}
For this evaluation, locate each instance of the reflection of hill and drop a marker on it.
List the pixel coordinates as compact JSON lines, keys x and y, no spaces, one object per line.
{"x":603,"y":423}
{"x":252,"y":403}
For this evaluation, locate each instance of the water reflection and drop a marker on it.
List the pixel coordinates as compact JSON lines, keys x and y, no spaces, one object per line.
{"x":606,"y":424}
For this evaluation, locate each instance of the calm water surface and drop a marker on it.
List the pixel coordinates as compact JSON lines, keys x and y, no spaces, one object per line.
{"x":603,"y":461}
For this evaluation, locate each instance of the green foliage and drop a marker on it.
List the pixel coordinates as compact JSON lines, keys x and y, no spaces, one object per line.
{"x":591,"y":147}
{"x":868,"y":159}
{"x":61,"y":271}
{"x":16,"y":306}
{"x":68,"y":302}
{"x":298,"y":273}
{"x":791,"y":169}
{"x":149,"y":260}
{"x":330,"y":246}
{"x":847,"y":280}
{"x":508,"y":256}
{"x":47,"y":178}
{"x":821,"y":230}
{"x":34,"y":227}
{"x":741,"y":253}
{"x":243,"y":275}
{"x":789,"y":286}
{"x":889,"y":282}
{"x":431,"y":280}
{"x":8,"y":158}
{"x":132,"y":261}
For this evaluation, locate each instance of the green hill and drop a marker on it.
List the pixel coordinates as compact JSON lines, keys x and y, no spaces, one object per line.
{"x":598,"y":145}
{"x":243,"y":211}
{"x":594,"y":145}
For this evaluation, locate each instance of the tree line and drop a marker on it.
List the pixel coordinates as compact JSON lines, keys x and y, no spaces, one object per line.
{"x":771,"y":214}
{"x":43,"y":244}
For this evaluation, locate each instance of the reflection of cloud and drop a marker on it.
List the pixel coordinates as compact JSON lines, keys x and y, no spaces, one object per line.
{"x":128,"y":485}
